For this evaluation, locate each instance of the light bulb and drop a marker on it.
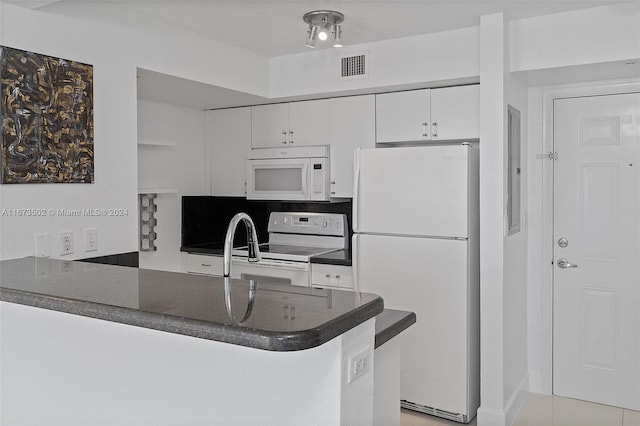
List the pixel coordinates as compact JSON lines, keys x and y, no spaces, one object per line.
{"x":322,"y":35}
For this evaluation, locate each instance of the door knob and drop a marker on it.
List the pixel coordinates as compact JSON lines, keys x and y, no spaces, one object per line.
{"x":564,"y":264}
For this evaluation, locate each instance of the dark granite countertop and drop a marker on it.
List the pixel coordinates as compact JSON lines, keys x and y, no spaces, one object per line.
{"x":390,"y":323}
{"x":211,"y":249}
{"x":339,"y":257}
{"x":282,"y":317}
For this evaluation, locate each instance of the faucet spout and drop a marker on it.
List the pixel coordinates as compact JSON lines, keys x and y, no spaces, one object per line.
{"x":252,"y":241}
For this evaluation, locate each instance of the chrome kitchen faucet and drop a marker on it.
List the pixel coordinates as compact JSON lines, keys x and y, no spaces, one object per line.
{"x":252,"y":241}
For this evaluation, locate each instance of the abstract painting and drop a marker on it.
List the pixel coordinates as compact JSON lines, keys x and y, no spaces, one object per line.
{"x":47,"y":118}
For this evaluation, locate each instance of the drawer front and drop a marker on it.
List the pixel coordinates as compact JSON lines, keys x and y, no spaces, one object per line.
{"x":202,"y":264}
{"x":331,"y":276}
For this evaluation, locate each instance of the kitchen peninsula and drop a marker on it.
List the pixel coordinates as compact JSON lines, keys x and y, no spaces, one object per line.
{"x":90,"y":344}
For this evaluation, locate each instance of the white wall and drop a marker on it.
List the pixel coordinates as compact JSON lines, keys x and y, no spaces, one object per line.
{"x":515,"y":273}
{"x":448,"y":56}
{"x":552,"y":42}
{"x":493,"y":42}
{"x":504,"y":369}
{"x":114,"y":52}
{"x":534,"y":250}
{"x":589,"y":36}
{"x":171,"y":155}
{"x":578,"y":42}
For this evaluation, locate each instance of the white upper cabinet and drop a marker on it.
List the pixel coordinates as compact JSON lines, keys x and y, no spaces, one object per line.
{"x":309,"y":122}
{"x":352,"y":126}
{"x":269,"y":125}
{"x":428,"y":115}
{"x":455,"y":113}
{"x":290,"y":124}
{"x":229,"y":136}
{"x":403,"y":116}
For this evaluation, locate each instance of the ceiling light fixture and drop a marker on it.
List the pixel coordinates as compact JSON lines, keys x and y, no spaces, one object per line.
{"x":321,"y":24}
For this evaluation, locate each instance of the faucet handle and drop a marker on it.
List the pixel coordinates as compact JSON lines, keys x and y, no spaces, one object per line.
{"x":252,"y":244}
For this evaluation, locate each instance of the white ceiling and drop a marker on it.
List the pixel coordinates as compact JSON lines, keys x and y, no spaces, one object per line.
{"x":275,"y":28}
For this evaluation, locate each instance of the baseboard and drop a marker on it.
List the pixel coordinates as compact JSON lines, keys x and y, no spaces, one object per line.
{"x":488,"y":417}
{"x":517,"y":399}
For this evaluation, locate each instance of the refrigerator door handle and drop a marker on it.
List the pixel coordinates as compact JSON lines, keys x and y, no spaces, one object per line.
{"x":356,"y":186}
{"x":354,"y":262}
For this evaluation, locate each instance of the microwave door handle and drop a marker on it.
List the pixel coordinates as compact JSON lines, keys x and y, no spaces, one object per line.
{"x":305,"y":181}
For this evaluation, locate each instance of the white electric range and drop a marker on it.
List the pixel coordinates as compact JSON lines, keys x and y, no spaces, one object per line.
{"x":294,"y":237}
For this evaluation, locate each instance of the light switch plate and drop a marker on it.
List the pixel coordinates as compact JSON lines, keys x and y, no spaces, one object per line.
{"x":90,"y":239}
{"x":43,"y":248}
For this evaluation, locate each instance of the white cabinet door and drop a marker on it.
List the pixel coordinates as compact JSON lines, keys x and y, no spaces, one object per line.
{"x":309,"y":122}
{"x":202,"y":264}
{"x":403,"y":116}
{"x":229,"y":138}
{"x":455,"y":113}
{"x":269,"y":125}
{"x":334,"y":276}
{"x":352,"y":126}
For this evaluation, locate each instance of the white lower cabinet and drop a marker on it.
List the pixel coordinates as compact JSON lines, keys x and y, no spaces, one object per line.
{"x":336,"y":276}
{"x":202,"y":264}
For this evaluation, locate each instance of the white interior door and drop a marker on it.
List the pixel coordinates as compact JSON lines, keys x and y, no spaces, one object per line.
{"x":596,"y":319}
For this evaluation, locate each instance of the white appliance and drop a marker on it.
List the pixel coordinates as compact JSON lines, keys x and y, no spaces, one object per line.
{"x":293,"y":238}
{"x":289,"y":174}
{"x":415,"y":243}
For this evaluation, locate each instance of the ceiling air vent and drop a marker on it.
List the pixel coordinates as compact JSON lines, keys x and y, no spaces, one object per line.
{"x":354,"y":66}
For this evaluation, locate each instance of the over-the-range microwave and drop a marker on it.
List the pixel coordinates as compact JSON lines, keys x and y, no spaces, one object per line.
{"x":289,"y":174}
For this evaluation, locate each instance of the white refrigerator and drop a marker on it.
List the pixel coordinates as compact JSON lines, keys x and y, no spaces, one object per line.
{"x":415,"y":243}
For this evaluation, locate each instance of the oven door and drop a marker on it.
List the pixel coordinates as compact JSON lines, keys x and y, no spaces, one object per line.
{"x":278,"y":179}
{"x":273,"y":271}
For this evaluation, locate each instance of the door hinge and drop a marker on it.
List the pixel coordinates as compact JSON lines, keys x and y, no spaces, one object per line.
{"x":547,"y":156}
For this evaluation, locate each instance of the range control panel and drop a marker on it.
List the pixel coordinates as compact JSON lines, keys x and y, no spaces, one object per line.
{"x":332,"y":224}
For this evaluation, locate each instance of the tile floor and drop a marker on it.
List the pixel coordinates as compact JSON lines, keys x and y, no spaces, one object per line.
{"x":543,"y":410}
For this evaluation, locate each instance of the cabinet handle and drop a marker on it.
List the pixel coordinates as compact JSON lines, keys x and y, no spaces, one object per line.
{"x":290,"y":136}
{"x":328,"y":275}
{"x":338,"y":276}
{"x":424,"y":130}
{"x":205,"y":264}
{"x":284,"y":138}
{"x":435,"y":129}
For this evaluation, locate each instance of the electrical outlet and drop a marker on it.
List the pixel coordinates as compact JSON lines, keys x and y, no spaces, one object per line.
{"x":43,"y":249}
{"x":90,"y":239}
{"x":66,"y":243}
{"x":359,"y":364}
